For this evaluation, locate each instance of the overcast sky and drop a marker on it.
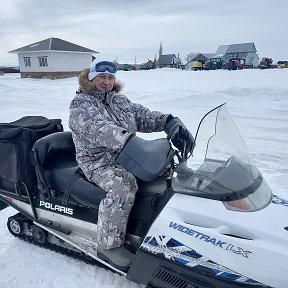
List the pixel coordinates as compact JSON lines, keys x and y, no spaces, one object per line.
{"x":133,"y":29}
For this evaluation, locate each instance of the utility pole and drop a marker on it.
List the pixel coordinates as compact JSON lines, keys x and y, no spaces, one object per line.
{"x":136,"y":68}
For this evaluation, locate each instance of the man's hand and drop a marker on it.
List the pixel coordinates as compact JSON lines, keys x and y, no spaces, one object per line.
{"x":180,"y":136}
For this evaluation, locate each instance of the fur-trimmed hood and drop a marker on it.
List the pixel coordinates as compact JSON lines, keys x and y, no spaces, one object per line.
{"x":88,"y":87}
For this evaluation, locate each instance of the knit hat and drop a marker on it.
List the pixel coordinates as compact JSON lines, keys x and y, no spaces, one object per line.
{"x":101,"y":67}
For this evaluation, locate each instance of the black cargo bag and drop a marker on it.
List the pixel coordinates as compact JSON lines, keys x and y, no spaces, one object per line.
{"x":17,"y":174}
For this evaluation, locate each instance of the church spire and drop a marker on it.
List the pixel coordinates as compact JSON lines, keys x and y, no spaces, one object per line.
{"x":160,"y":49}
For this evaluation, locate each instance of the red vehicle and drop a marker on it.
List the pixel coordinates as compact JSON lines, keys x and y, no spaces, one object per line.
{"x":236,"y":63}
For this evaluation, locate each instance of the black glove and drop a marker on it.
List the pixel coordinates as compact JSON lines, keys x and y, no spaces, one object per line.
{"x":180,"y":136}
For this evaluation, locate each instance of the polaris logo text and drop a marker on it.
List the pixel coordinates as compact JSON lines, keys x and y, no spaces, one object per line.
{"x":58,"y":208}
{"x":207,"y":238}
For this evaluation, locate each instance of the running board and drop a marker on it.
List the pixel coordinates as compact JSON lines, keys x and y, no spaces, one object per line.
{"x":47,"y":225}
{"x":89,"y":248}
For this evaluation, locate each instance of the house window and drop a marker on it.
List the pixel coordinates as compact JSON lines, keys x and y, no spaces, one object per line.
{"x":235,"y":55}
{"x":43,"y":61}
{"x":27,"y":61}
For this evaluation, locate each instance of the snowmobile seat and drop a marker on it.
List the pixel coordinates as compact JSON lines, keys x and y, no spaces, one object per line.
{"x":55,"y":154}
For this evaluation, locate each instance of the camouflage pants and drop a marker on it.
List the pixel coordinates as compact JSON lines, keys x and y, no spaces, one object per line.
{"x":114,"y":210}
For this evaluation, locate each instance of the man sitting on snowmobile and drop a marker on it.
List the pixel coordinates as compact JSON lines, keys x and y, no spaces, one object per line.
{"x":102,"y":122}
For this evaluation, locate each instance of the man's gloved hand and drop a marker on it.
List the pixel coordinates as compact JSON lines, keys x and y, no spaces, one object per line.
{"x":183,"y":140}
{"x":180,"y":136}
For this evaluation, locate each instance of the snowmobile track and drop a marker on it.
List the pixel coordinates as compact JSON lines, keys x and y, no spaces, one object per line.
{"x":53,"y":247}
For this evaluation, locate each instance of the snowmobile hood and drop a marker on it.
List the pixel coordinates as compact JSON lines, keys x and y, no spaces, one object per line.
{"x":88,"y":87}
{"x":223,"y":219}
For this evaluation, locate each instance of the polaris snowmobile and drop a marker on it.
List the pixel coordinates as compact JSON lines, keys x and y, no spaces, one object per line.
{"x":208,"y":221}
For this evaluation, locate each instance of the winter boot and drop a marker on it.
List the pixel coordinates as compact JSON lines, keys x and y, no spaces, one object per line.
{"x":120,"y":257}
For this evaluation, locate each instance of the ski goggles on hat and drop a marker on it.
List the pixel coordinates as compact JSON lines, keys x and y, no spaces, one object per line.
{"x":104,"y":66}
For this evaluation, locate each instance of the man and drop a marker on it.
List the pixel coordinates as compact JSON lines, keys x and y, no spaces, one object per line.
{"x":102,"y":122}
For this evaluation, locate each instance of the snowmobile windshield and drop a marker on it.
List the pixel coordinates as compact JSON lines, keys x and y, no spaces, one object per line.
{"x":221,"y":167}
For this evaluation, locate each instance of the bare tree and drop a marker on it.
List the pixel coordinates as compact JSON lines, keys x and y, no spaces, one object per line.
{"x":190,"y":56}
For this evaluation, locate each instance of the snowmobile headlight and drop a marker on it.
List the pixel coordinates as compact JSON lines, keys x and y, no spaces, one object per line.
{"x":255,"y":201}
{"x":240,"y":205}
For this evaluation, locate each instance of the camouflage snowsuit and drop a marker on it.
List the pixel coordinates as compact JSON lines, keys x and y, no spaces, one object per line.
{"x":101,"y":123}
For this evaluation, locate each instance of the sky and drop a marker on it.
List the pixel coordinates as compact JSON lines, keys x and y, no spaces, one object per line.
{"x":131,"y":30}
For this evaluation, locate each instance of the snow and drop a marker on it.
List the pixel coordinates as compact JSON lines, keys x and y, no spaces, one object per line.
{"x":257,"y":100}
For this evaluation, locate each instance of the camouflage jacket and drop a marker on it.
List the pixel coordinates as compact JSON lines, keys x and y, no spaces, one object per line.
{"x":102,"y":122}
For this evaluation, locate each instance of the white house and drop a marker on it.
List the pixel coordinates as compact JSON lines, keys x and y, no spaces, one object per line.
{"x":53,"y":58}
{"x":246,"y":51}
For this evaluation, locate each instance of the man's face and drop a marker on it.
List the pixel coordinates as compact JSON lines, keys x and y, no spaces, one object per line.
{"x":104,"y":82}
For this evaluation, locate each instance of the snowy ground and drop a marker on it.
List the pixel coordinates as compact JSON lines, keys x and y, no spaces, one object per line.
{"x":257,"y":100}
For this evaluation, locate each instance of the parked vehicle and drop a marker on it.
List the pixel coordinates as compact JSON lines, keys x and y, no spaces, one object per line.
{"x":265,"y":63}
{"x":282,"y":64}
{"x":236,"y":63}
{"x":214,"y":64}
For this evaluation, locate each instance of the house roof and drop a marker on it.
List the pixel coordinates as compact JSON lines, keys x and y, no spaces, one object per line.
{"x":53,"y":44}
{"x":236,"y":48}
{"x":202,"y":56}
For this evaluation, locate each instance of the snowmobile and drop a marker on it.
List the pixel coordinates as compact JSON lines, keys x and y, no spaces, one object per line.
{"x":210,"y":220}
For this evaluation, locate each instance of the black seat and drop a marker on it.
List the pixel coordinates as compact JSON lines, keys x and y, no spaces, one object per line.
{"x":56,"y":154}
